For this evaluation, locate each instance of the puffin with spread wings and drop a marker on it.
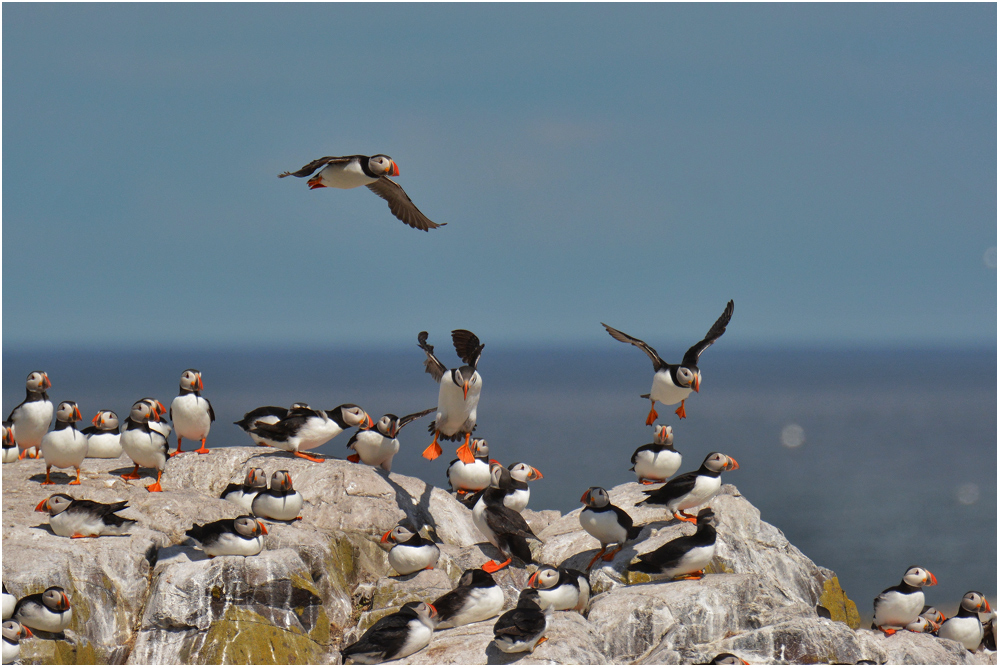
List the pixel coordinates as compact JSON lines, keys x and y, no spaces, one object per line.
{"x":458,"y":397}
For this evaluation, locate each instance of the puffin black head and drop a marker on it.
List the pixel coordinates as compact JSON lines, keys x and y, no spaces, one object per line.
{"x":716,"y":462}
{"x":916,"y":576}
{"x":68,"y":413}
{"x":476,"y":577}
{"x":974,"y":601}
{"x":37,"y":382}
{"x":106,"y":421}
{"x":419,"y":609}
{"x":191,"y":381}
{"x":529,"y":598}
{"x":596,"y":497}
{"x":55,"y":504}
{"x":382,"y":165}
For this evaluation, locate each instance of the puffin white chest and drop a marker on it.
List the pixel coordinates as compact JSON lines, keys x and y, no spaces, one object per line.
{"x":284,"y":507}
{"x":315,"y":432}
{"x":665,"y":391}
{"x":190,"y":416}
{"x":481,"y":603}
{"x":456,"y":411}
{"x":657,"y":465}
{"x":374,"y":448}
{"x":470,"y":477}
{"x":479,"y":519}
{"x":344,"y":175}
{"x":563,"y":597}
{"x":705,"y":488}
{"x":31,"y":421}
{"x":895,"y":608}
{"x":104,"y":445}
{"x":406,"y":559}
{"x":694,"y":560}
{"x":40,"y":618}
{"x":418,"y":635}
{"x":517,"y":499}
{"x":64,"y":448}
{"x":148,"y":449}
{"x":11,"y":651}
{"x":234,"y":544}
{"x":10,"y":454}
{"x":966,"y":630}
{"x":603,"y":526}
{"x":242,"y":499}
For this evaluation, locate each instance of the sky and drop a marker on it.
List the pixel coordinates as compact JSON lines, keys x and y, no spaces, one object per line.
{"x":830,"y":167}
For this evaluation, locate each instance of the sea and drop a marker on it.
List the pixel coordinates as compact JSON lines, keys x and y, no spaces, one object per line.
{"x":869,"y":461}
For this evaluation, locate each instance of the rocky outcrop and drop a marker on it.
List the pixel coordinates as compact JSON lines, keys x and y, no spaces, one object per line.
{"x":150,"y":598}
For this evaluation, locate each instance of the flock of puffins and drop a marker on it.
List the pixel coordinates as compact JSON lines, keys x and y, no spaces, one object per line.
{"x":496,"y":494}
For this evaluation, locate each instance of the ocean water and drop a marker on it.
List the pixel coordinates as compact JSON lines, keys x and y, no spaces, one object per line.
{"x":897,"y":463}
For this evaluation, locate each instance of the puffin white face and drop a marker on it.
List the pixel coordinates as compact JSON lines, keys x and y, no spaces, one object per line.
{"x":54,"y":505}
{"x":399,"y":534}
{"x":354,"y":416}
{"x":975,"y":602}
{"x":281,"y":481}
{"x":933,"y":615}
{"x":8,"y":437}
{"x":13,"y":631}
{"x":479,"y":448}
{"x":918,"y":577}
{"x":191,"y":381}
{"x":596,"y":497}
{"x":663,"y":435}
{"x":466,"y":378}
{"x":38,"y":381}
{"x":106,"y":420}
{"x":385,"y":426}
{"x":523,"y":472}
{"x":68,"y":411}
{"x":55,"y":598}
{"x":383,"y":164}
{"x":687,"y":378}
{"x":423,"y":610}
{"x":249,"y":527}
{"x":256,"y":478}
{"x":717,"y":461}
{"x":159,"y":410}
{"x":142,"y":411}
{"x":545,"y":577}
{"x":496,"y":474}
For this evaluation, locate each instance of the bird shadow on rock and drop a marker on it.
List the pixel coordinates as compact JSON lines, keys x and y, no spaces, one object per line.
{"x":626,"y":555}
{"x":178,"y":553}
{"x":419,"y":513}
{"x":128,"y":469}
{"x":495,"y":657}
{"x":57,"y":478}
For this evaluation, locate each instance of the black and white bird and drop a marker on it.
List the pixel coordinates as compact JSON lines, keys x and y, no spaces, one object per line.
{"x":376,"y":446}
{"x":31,"y":418}
{"x":921,"y":625}
{"x":672,"y":383}
{"x":280,"y":501}
{"x":241,"y":536}
{"x":191,"y":413}
{"x":10,"y":453}
{"x":990,"y":632}
{"x":933,"y":615}
{"x":897,"y":606}
{"x":683,"y":558}
{"x":9,"y":600}
{"x":305,"y":430}
{"x":243,"y":494}
{"x":965,"y":627}
{"x":523,"y":628}
{"x":410,"y":552}
{"x":518,"y":494}
{"x":394,"y":636}
{"x":467,"y":479}
{"x":476,"y":598}
{"x":143,"y":441}
{"x":13,"y":633}
{"x":458,"y":395}
{"x":104,"y":436}
{"x":156,"y":421}
{"x":606,"y":522}
{"x":65,"y":447}
{"x":561,"y":588}
{"x":351,"y":171}
{"x":692,"y":489}
{"x":269,"y":415}
{"x":48,"y":611}
{"x":82,"y":518}
{"x":655,"y":462}
{"x":502,"y":526}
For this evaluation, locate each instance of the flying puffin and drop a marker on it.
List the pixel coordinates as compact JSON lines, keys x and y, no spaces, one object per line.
{"x":561,"y":588}
{"x":269,"y":415}
{"x":377,"y":446}
{"x":143,"y":443}
{"x":672,"y":383}
{"x":302,"y":430}
{"x":606,"y":522}
{"x":898,"y":606}
{"x":81,"y":518}
{"x":476,"y":598}
{"x":523,"y":628}
{"x":410,"y":552}
{"x":394,"y":636}
{"x":502,"y":526}
{"x":351,"y":171}
{"x":10,"y":453}
{"x":655,"y":462}
{"x":103,"y":436}
{"x":692,"y":489}
{"x":13,"y":632}
{"x":31,"y":417}
{"x":683,"y":558}
{"x":9,"y":600}
{"x":458,"y":396}
{"x":49,"y":611}
{"x":965,"y":627}
{"x":190,"y":412}
{"x":65,"y":446}
{"x":280,"y":502}
{"x":466,"y":479}
{"x":241,"y":536}
{"x":243,"y":494}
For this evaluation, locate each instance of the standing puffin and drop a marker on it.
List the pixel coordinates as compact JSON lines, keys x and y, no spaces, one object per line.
{"x":373,"y":171}
{"x":31,"y":417}
{"x":306,"y":430}
{"x":191,"y":413}
{"x":458,"y":396}
{"x":243,"y":494}
{"x":466,"y":479}
{"x":502,"y":526}
{"x":606,"y":522}
{"x":692,"y":489}
{"x":394,"y":636}
{"x":280,"y":502}
{"x":65,"y":446}
{"x":655,"y":462}
{"x":476,"y":598}
{"x":82,"y":518}
{"x":10,"y":453}
{"x":518,"y":494}
{"x":13,"y":632}
{"x":561,"y":588}
{"x":9,"y":600}
{"x":49,"y":611}
{"x":241,"y":536}
{"x":268,"y":415}
{"x":410,"y":551}
{"x":683,"y":558}
{"x":103,"y":436}
{"x":144,"y":444}
{"x":898,"y":606}
{"x":672,"y":383}
{"x":523,"y":628}
{"x":965,"y":627}
{"x":377,"y":446}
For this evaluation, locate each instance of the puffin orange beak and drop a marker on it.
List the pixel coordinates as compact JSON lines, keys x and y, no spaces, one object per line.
{"x":465,"y":390}
{"x":371,"y":422}
{"x":65,"y":600}
{"x":987,"y":604}
{"x":77,"y":416}
{"x":431,"y":605}
{"x":933,"y":580}
{"x":733,"y":465}
{"x":46,"y":383}
{"x":395,"y":169}
{"x":697,"y":383}
{"x":199,"y":385}
{"x":40,"y":508}
{"x":533,"y":580}
{"x":385,"y":536}
{"x":583,"y":499}
{"x":262,"y":527}
{"x":537,"y":475}
{"x":97,"y":420}
{"x":26,"y":632}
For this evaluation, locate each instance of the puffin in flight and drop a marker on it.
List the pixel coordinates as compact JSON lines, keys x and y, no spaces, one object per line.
{"x":458,"y":396}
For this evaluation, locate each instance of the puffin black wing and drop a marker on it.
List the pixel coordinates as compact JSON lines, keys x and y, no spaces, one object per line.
{"x":88,"y":431}
{"x":401,"y":205}
{"x":503,"y":520}
{"x":666,"y":556}
{"x":106,"y":511}
{"x":264,"y":411}
{"x":467,"y":346}
{"x":717,"y":330}
{"x":282,"y":427}
{"x":316,"y":164}
{"x":625,"y":520}
{"x":407,"y":419}
{"x":520,"y":622}
{"x":385,"y":637}
{"x":451,"y":603}
{"x":432,"y":364}
{"x":230,"y":488}
{"x":658,"y":362}
{"x":200,"y":532}
{"x":675,"y":488}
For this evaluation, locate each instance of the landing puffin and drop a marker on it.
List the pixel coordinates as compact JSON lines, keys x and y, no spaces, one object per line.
{"x":503,"y":527}
{"x":683,"y":558}
{"x":458,"y":396}
{"x":689,"y":490}
{"x":31,"y":417}
{"x":410,"y":552}
{"x":394,"y":636}
{"x":377,"y":446}
{"x":606,"y":522}
{"x":476,"y":598}
{"x":303,"y":430}
{"x":655,"y":462}
{"x":191,"y":413}
{"x":965,"y":627}
{"x":523,"y":628}
{"x":241,"y":536}
{"x":48,"y":611}
{"x":103,"y":436}
{"x":65,"y":446}
{"x":82,"y":518}
{"x":898,"y":606}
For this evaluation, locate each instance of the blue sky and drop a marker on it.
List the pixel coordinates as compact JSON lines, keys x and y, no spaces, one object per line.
{"x":831,"y":168}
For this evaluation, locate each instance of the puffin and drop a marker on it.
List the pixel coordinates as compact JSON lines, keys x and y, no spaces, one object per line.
{"x":692,"y":489}
{"x":394,"y":636}
{"x":10,"y":453}
{"x":306,"y":430}
{"x":466,"y":479}
{"x":476,"y":598}
{"x":65,"y":446}
{"x":502,"y":526}
{"x":13,"y":632}
{"x":82,"y":518}
{"x":268,"y":415}
{"x":606,"y":522}
{"x":965,"y":627}
{"x":31,"y":417}
{"x":672,"y":383}
{"x":280,"y":502}
{"x":191,"y":413}
{"x":410,"y":552}
{"x":933,"y":615}
{"x":143,"y":442}
{"x":655,"y":462}
{"x":518,"y":494}
{"x":241,"y":536}
{"x":156,"y":421}
{"x":103,"y":436}
{"x":351,"y":171}
{"x":49,"y":611}
{"x":9,"y":600}
{"x":458,"y":395}
{"x":243,"y":494}
{"x":523,"y":628}
{"x":561,"y":588}
{"x":683,"y":558}
{"x":898,"y":606}
{"x":377,"y":446}
{"x":921,"y":625}
{"x":990,"y":632}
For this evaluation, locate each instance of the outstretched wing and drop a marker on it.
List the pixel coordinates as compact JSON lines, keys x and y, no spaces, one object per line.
{"x":407,"y":419}
{"x":467,"y":346}
{"x":717,"y":330}
{"x":314,"y":165}
{"x":401,"y":205}
{"x":658,"y":363}
{"x":431,"y":364}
